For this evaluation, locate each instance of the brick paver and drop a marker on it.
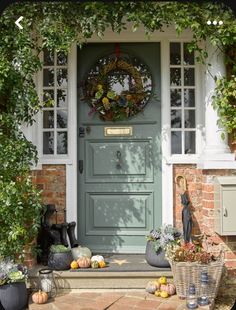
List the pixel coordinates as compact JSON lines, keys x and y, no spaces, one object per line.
{"x":112,"y":301}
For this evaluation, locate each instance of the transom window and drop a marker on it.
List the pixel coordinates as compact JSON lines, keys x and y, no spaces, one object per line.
{"x":55,"y":111}
{"x":182,"y":99}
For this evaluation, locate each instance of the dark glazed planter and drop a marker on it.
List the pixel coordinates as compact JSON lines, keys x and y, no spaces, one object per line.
{"x":13,"y":296}
{"x":156,"y":259}
{"x":60,"y":261}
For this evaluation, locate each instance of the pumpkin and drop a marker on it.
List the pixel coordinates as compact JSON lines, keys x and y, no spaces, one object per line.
{"x":162,"y":280}
{"x":94,"y":264}
{"x":169,"y":288}
{"x":40,"y":297}
{"x":158,"y":293}
{"x":158,"y":285}
{"x":164,"y":294}
{"x":98,"y":258}
{"x":80,"y":251}
{"x":151,"y":287}
{"x":84,"y":262}
{"x":74,"y":265}
{"x":102,"y":264}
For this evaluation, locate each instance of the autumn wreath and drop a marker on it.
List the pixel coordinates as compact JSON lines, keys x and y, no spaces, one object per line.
{"x":110,"y":105}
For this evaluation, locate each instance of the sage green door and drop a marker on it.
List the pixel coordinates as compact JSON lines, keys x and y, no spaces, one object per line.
{"x":119,"y":177}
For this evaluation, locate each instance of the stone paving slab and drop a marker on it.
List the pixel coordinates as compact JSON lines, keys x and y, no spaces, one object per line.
{"x":113,"y":301}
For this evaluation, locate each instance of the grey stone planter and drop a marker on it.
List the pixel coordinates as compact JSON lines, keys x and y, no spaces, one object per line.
{"x":60,"y":261}
{"x":156,"y":259}
{"x":13,"y":296}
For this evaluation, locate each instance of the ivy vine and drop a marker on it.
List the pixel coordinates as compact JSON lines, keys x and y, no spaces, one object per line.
{"x":56,"y":26}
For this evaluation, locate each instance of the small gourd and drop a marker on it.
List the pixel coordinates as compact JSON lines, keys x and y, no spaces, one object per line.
{"x":169,"y":288}
{"x":158,"y":293}
{"x":151,"y":287}
{"x":162,"y":280}
{"x":94,"y":264}
{"x":40,"y":297}
{"x":158,"y":285}
{"x":102,"y":264}
{"x":164,"y":294}
{"x":84,"y":262}
{"x":74,"y":265}
{"x":98,"y":258}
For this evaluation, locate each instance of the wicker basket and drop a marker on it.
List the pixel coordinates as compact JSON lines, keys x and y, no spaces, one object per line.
{"x":185,"y":273}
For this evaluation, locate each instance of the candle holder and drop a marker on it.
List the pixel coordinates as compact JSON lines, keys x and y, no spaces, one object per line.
{"x":191,"y":299}
{"x":47,"y":282}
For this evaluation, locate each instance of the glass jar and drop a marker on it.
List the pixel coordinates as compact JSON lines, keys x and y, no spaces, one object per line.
{"x":47,"y":282}
{"x":191,"y":298}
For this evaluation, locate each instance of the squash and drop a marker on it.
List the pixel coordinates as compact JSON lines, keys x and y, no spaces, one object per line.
{"x":94,"y":264}
{"x":102,"y":264}
{"x":151,"y":287}
{"x":158,"y":285}
{"x":169,"y":288}
{"x":162,"y":280}
{"x":40,"y":297}
{"x":74,"y":265}
{"x":164,"y":294}
{"x":84,"y":262}
{"x":98,"y":258}
{"x":80,"y":251}
{"x":158,"y":293}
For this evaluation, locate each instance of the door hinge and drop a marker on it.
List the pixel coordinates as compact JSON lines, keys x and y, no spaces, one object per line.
{"x":81,"y":166}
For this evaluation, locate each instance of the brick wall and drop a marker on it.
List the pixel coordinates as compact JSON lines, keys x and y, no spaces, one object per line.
{"x":51,"y":179}
{"x":201,"y":195}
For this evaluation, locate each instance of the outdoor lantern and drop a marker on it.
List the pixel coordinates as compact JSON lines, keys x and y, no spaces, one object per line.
{"x":191,"y":298}
{"x":203,"y":299}
{"x":47,"y":282}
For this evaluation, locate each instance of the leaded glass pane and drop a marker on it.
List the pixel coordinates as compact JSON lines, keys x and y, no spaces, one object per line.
{"x":188,"y":57}
{"x":189,"y":145}
{"x":62,"y":77}
{"x":176,"y":121}
{"x":175,"y":54}
{"x":61,"y":119}
{"x":176,"y":142}
{"x":62,"y":143}
{"x":175,"y":76}
{"x":61,"y":98}
{"x":48,"y":77}
{"x":48,"y":119}
{"x":189,"y":79}
{"x":48,"y":142}
{"x":189,"y":97}
{"x":189,"y":118}
{"x":175,"y":97}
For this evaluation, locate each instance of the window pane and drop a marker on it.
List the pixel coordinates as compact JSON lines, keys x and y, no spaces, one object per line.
{"x":176,"y":142}
{"x":188,"y":57}
{"x":48,"y":77}
{"x":189,"y":118}
{"x":48,"y":119}
{"x":189,"y":145}
{"x":48,"y":142}
{"x":62,"y":143}
{"x":175,"y":77}
{"x":189,"y":79}
{"x":61,"y":98}
{"x":48,"y":98}
{"x":61,"y":59}
{"x":175,"y":56}
{"x":62,"y":77}
{"x":189,"y":98}
{"x":175,"y":97}
{"x":48,"y":58}
{"x":176,"y":119}
{"x":61,"y":119}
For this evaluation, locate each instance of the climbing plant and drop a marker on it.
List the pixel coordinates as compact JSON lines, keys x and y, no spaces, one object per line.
{"x":56,"y":26}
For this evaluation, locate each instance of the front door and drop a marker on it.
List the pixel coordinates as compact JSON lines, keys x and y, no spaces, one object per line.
{"x":119,"y":163}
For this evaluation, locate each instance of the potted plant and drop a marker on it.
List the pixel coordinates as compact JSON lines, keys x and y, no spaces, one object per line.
{"x":60,"y":257}
{"x":157,"y":241}
{"x":13,"y":292}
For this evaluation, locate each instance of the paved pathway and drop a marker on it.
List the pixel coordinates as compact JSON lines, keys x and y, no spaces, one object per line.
{"x":112,"y":301}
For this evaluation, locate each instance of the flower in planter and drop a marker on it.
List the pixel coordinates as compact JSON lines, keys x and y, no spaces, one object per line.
{"x":164,"y":235}
{"x":11,"y":272}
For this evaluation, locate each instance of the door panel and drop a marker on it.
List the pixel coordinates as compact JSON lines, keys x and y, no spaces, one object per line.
{"x":119,"y":189}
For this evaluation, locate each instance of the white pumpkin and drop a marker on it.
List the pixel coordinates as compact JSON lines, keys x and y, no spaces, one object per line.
{"x":98,"y":258}
{"x":80,"y":251}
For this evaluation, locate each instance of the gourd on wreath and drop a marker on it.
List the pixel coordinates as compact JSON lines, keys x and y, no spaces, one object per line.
{"x":40,"y":297}
{"x":84,"y":262}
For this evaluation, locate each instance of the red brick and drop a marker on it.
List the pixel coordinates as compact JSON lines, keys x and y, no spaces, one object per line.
{"x":230,"y":255}
{"x":230,"y":264}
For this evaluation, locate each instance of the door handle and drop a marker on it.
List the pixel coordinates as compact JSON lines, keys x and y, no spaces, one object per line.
{"x":225,"y":212}
{"x":81,"y":166}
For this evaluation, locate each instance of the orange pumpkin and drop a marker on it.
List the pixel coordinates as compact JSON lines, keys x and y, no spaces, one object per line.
{"x":102,"y":264}
{"x":84,"y":262}
{"x":40,"y":297}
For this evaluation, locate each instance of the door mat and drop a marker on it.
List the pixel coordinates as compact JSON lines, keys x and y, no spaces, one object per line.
{"x":122,"y":263}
